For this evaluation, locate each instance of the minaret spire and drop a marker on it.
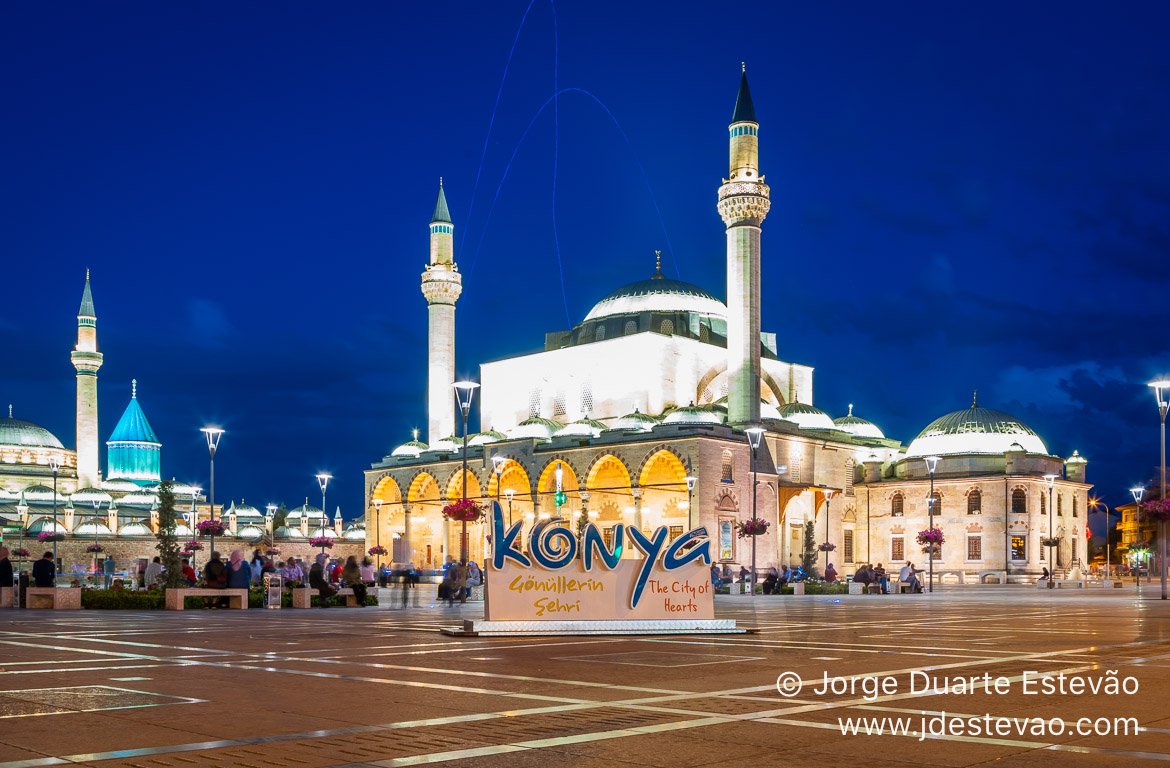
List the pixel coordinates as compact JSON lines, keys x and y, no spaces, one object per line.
{"x":441,"y":285}
{"x":743,"y":203}
{"x":87,"y":360}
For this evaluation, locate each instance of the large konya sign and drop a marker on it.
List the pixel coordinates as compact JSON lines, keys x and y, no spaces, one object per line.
{"x":560,"y":578}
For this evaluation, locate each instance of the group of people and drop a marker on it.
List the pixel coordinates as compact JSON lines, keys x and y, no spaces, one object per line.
{"x":876,"y":575}
{"x":458,"y":579}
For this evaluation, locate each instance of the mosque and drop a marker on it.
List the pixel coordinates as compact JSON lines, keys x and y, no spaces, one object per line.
{"x":637,"y":415}
{"x":119,"y":511}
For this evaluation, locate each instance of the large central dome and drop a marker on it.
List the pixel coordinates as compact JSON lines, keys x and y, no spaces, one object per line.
{"x":25,"y":434}
{"x":658,"y":294}
{"x":975,"y":430}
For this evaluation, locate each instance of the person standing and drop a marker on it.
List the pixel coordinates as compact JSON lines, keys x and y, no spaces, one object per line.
{"x":367,"y":572}
{"x":108,"y":568}
{"x":44,"y":572}
{"x":239,"y":573}
{"x":6,"y":574}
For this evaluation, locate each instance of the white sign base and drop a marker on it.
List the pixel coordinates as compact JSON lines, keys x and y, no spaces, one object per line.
{"x":483,"y":628}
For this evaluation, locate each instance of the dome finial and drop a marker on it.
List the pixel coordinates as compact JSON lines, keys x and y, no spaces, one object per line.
{"x":851,"y":409}
{"x":743,"y":67}
{"x":975,"y":398}
{"x":10,"y":410}
{"x":657,"y":265}
{"x":415,"y":433}
{"x":133,"y":389}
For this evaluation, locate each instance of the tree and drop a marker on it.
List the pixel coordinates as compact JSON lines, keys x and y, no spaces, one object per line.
{"x":168,"y":541}
{"x":808,"y":558}
{"x":279,"y":516}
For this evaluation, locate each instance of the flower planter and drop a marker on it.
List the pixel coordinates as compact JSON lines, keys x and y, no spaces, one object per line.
{"x":798,"y":588}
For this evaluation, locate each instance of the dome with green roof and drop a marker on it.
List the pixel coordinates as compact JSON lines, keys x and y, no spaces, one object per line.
{"x":133,"y":450}
{"x":805,"y":416}
{"x":857,"y":426}
{"x":537,"y":427}
{"x":25,"y":434}
{"x":975,"y":430}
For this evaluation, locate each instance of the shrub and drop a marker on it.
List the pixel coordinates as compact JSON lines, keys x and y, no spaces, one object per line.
{"x":121,"y":600}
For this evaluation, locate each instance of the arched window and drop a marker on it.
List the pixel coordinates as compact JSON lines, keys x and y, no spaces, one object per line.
{"x":936,"y":507}
{"x":974,"y":502}
{"x":631,"y":327}
{"x":896,"y":505}
{"x":599,"y":334}
{"x":667,"y":327}
{"x":727,"y":478}
{"x":850,"y":466}
{"x":1019,"y":501}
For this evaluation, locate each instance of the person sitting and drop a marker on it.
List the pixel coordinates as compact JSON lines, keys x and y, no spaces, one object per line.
{"x":909,"y":574}
{"x":291,"y":574}
{"x":880,"y":578}
{"x":317,"y":581}
{"x":351,"y":576}
{"x":154,"y":570}
{"x":215,"y":577}
{"x":189,"y":576}
{"x":44,"y":572}
{"x":1045,"y":576}
{"x":786,"y":576}
{"x":771,"y":582}
{"x":830,"y":574}
{"x":862,"y":576}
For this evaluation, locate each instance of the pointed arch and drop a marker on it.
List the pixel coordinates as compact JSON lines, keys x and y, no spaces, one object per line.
{"x":458,"y":480}
{"x":387,"y":489}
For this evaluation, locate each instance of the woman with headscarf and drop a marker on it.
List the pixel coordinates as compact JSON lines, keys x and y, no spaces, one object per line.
{"x":351,"y":576}
{"x":239,"y":573}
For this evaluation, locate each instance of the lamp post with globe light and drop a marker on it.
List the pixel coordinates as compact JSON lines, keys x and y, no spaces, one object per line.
{"x":497,"y":469}
{"x":1160,"y":387}
{"x":323,"y":479}
{"x":1050,"y":481}
{"x":510,"y":493}
{"x":931,"y":466}
{"x":754,"y":435}
{"x":378,"y":529}
{"x":1099,"y":505}
{"x":464,"y":392}
{"x":692,"y":518}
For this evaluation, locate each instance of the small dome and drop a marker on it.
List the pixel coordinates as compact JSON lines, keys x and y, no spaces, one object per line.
{"x":138,"y":500}
{"x":581,"y":428}
{"x":25,"y":434}
{"x":447,"y":444}
{"x":182,"y":530}
{"x":250,"y":533}
{"x":91,"y":528}
{"x":1076,"y":458}
{"x":90,"y":495}
{"x":974,"y":430}
{"x":483,"y":438}
{"x":243,"y":512}
{"x":635,"y":422}
{"x":658,"y":294}
{"x":135,"y":529}
{"x":354,"y":533}
{"x":322,"y":531}
{"x":805,"y":416}
{"x":42,"y":493}
{"x":857,"y":426}
{"x":693,"y":414}
{"x":537,"y":427}
{"x":119,"y":486}
{"x":45,"y":525}
{"x":284,"y":532}
{"x":411,"y":449}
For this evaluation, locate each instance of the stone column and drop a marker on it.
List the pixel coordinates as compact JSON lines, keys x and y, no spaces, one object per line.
{"x":637,"y":493}
{"x":406,"y":534}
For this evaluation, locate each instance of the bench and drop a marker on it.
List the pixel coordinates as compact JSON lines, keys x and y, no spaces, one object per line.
{"x":903,"y":587}
{"x":176,"y":598}
{"x":56,"y":598}
{"x":302,"y":597}
{"x":1074,"y":583}
{"x":7,"y":597}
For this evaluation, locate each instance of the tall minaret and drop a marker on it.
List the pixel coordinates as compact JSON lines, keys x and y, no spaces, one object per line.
{"x":87,"y":360}
{"x":743,"y":204}
{"x":441,"y":285}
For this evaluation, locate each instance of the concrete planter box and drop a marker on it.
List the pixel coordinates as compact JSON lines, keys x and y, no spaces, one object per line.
{"x":798,"y":588}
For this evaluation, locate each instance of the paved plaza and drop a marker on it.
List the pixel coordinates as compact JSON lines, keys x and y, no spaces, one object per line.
{"x":381,"y":687}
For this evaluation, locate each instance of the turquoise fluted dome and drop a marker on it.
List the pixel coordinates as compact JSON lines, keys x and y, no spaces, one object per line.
{"x":133,"y":450}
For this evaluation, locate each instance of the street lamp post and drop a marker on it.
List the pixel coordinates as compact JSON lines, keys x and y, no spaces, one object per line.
{"x":1050,"y":480}
{"x":829,"y":494}
{"x":213,"y":434}
{"x":498,"y":468}
{"x":510,"y":493}
{"x":754,"y":435}
{"x":1160,"y":386}
{"x":323,"y":479}
{"x":378,"y":530}
{"x":931,"y":466}
{"x":1138,"y":492}
{"x":55,"y":465}
{"x":692,"y":520}
{"x":1099,"y":504}
{"x":464,"y":392}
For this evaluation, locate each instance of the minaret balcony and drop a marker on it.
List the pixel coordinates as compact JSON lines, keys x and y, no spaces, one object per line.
{"x":741,"y":201}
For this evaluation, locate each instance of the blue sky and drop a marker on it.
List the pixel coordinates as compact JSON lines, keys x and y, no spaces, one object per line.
{"x":966,"y":196}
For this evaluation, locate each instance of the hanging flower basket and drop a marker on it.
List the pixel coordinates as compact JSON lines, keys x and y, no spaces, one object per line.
{"x":194,"y":545}
{"x":1157,"y":509}
{"x":273,"y":552}
{"x":95,"y":548}
{"x":463,"y":511}
{"x":753,"y":527}
{"x":931,"y":537}
{"x":377,"y":550}
{"x":48,"y":537}
{"x":210,"y":528}
{"x":828,"y":546}
{"x":324,"y":542}
{"x":1050,"y":541}
{"x":20,"y":552}
{"x":186,"y":552}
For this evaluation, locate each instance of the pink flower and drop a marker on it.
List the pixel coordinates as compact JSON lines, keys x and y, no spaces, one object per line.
{"x":463,"y":511}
